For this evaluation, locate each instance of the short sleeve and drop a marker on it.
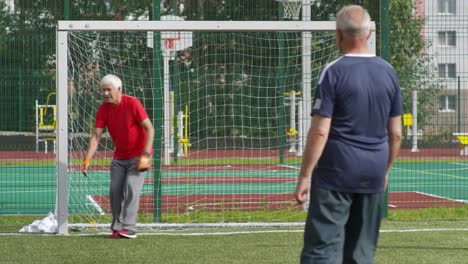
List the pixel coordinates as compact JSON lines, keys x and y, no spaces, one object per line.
{"x":397,"y":104}
{"x":100,"y":117}
{"x":324,"y":99}
{"x":139,"y":111}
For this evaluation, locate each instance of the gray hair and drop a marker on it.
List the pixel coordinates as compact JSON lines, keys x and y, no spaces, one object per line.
{"x":112,"y":80}
{"x":353,"y":23}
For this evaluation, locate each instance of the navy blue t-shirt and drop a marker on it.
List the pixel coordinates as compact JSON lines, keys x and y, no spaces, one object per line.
{"x":359,"y":93}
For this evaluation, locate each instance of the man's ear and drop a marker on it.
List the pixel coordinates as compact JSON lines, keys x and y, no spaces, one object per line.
{"x":339,"y":35}
{"x":339,"y":38}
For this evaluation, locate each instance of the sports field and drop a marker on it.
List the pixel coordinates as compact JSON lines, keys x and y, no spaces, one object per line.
{"x":30,"y":189}
{"x":400,"y":242}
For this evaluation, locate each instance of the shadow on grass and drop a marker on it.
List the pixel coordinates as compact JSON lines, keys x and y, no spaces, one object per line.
{"x":423,"y":248}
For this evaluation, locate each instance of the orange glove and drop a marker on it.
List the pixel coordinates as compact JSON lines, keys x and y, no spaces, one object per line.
{"x":144,"y":162}
{"x":85,"y":165}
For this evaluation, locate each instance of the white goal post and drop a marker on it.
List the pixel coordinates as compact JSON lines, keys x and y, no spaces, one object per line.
{"x":64,"y":28}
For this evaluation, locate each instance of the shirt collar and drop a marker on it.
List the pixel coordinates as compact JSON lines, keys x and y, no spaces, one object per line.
{"x":359,"y":55}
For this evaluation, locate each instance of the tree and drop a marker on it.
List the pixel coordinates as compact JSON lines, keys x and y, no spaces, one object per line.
{"x":27,"y":34}
{"x":414,"y":67}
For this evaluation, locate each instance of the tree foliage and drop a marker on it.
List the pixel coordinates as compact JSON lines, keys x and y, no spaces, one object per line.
{"x":414,"y":67}
{"x":27,"y":35}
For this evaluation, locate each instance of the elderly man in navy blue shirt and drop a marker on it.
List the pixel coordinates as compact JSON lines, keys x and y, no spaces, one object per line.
{"x":353,"y":140}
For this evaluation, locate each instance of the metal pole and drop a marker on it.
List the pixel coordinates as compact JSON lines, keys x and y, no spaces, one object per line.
{"x":175,"y":89}
{"x":20,"y":98}
{"x":175,"y":106}
{"x":167,"y":111}
{"x":66,"y":9}
{"x":414,"y":100}
{"x":179,"y":149}
{"x":37,"y":126}
{"x":459,"y":106}
{"x":280,"y":92}
{"x":384,"y":54}
{"x":157,"y":116}
{"x":300,"y":127}
{"x":306,"y":101}
{"x":292,"y":120}
{"x":62,"y":133}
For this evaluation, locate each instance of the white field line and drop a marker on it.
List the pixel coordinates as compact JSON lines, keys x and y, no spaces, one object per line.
{"x":284,"y":231}
{"x":462,"y":164}
{"x":288,"y":166}
{"x":431,"y":173}
{"x":422,"y":230}
{"x":95,"y":204}
{"x":459,"y":169}
{"x":430,"y":195}
{"x":178,"y":233}
{"x":441,"y":197}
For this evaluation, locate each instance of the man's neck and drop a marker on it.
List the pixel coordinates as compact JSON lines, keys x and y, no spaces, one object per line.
{"x":354,"y":46}
{"x":118,"y":101}
{"x":356,"y":51}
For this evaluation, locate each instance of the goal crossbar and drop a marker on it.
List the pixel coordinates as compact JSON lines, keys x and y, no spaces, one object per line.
{"x":199,"y":26}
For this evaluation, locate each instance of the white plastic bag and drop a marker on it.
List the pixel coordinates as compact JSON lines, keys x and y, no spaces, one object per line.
{"x":47,"y":225}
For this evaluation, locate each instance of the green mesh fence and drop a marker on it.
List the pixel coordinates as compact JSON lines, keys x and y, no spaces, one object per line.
{"x":425,"y":41}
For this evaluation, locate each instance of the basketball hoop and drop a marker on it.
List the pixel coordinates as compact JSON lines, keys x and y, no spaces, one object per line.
{"x":170,"y":46}
{"x":172,"y":41}
{"x":291,"y":9}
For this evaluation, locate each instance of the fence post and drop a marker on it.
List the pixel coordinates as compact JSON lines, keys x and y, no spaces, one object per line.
{"x":66,"y":9}
{"x":384,"y":54}
{"x":157,"y":115}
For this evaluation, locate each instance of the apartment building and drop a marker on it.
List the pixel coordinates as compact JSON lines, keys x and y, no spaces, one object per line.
{"x":446,"y":35}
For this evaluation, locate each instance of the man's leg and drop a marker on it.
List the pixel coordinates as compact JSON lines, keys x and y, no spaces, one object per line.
{"x":117,"y":180}
{"x":324,"y":231}
{"x":362,"y":229}
{"x":131,"y":193}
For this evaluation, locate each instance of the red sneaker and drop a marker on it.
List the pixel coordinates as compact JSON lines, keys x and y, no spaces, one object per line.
{"x":127,"y":233}
{"x":115,"y":234}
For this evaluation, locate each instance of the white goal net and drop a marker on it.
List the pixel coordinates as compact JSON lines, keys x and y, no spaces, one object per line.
{"x":230,"y":110}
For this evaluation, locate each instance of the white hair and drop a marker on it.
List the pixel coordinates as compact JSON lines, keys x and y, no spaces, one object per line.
{"x":112,"y":80}
{"x":350,"y":23}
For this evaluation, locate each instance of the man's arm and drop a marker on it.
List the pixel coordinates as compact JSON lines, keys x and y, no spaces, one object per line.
{"x":394,"y":141}
{"x":146,"y":124}
{"x":144,"y":161}
{"x":92,"y":147}
{"x":316,"y":140}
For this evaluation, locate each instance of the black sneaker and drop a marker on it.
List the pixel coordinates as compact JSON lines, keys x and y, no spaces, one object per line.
{"x":127,"y":234}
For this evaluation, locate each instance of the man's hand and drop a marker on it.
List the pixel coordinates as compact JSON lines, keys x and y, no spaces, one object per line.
{"x":302,"y":188}
{"x":85,"y":165}
{"x":144,"y":162}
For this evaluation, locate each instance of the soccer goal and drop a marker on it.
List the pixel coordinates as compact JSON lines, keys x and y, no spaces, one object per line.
{"x":234,"y":101}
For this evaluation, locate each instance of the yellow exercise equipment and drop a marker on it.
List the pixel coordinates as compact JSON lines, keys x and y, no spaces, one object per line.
{"x":46,"y":123}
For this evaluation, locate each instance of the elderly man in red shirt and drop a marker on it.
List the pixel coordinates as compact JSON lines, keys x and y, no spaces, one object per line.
{"x":132,"y":134}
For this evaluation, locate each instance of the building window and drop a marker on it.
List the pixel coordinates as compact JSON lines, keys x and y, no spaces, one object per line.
{"x":447,"y":103}
{"x":447,"y":38}
{"x":446,"y":6}
{"x":447,"y":71}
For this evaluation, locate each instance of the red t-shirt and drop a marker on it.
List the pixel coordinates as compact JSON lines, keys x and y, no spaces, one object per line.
{"x":123,"y":123}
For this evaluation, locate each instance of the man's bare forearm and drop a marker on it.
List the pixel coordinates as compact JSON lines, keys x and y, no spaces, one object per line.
{"x":394,"y":139}
{"x":394,"y":143}
{"x":316,"y":140}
